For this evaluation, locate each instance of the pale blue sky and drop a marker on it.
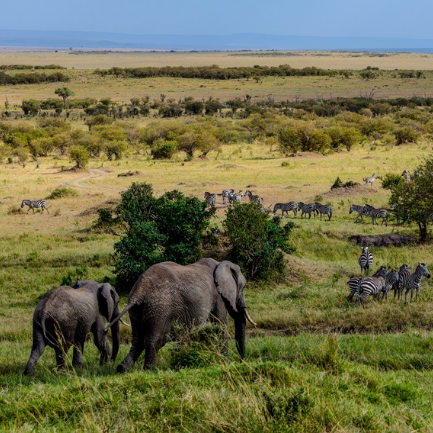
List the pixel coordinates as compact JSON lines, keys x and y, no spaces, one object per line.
{"x":351,"y":18}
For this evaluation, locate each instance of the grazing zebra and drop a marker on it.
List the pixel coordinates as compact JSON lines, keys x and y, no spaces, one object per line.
{"x":235,"y":197}
{"x":325,"y":209}
{"x":370,"y":180}
{"x":252,"y":197}
{"x":369,"y":286}
{"x":403,"y":273}
{"x":225,"y":194}
{"x":210,"y":198}
{"x":376,"y":213}
{"x":359,"y":209}
{"x":365,"y":260}
{"x":306,"y":208}
{"x":413,"y":281}
{"x":354,"y":281}
{"x":37,"y":204}
{"x":287,"y":207}
{"x":391,"y":279}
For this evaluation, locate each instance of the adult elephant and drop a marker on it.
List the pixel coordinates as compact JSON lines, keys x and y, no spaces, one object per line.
{"x":167,"y":293}
{"x":64,"y":316}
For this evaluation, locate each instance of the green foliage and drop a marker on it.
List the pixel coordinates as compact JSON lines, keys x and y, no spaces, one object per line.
{"x":338,"y":183}
{"x":162,"y":149}
{"x":406,"y":134}
{"x":62,"y":192}
{"x":416,"y":198}
{"x":391,"y":180}
{"x":31,"y":107}
{"x":64,"y":92}
{"x":80,"y":155}
{"x":258,"y":241}
{"x":158,"y":229}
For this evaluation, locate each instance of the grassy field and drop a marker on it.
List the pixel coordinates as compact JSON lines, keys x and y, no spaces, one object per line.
{"x":315,"y":363}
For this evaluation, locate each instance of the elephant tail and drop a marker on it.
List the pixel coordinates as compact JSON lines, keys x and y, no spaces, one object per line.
{"x":44,"y":332}
{"x":118,"y":317}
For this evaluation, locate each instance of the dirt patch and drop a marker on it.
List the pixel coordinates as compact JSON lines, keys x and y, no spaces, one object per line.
{"x":397,"y":240}
{"x":109,"y":204}
{"x":129,"y":173}
{"x":229,"y":166}
{"x":349,"y":190}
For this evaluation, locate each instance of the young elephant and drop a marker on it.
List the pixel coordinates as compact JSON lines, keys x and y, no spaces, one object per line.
{"x":167,"y":293}
{"x":64,"y":316}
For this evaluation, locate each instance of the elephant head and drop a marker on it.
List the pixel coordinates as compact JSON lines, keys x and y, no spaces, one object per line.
{"x":230,"y":285}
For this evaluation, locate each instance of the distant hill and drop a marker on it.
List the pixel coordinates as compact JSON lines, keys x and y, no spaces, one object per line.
{"x":244,"y":41}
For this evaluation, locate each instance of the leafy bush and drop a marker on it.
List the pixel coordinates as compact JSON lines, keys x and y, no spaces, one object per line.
{"x":258,"y":241}
{"x":158,"y":229}
{"x":62,"y":192}
{"x":162,"y":149}
{"x":337,"y":184}
{"x":391,"y":180}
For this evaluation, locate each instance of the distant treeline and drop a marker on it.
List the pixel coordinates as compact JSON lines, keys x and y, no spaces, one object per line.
{"x":216,"y":73}
{"x":32,"y":78}
{"x":22,"y":67}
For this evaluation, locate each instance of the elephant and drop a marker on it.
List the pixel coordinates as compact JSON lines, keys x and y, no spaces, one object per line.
{"x":64,"y":316}
{"x":169,"y":293}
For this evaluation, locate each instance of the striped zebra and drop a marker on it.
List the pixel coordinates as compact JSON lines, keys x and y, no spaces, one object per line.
{"x":235,"y":197}
{"x":225,"y":194}
{"x":210,"y":198}
{"x":391,"y":279}
{"x":306,"y":208}
{"x":365,"y":260}
{"x":413,"y":281}
{"x":36,"y":204}
{"x":359,"y":209}
{"x":375,"y":214}
{"x":252,"y":197}
{"x":325,"y":209}
{"x":403,"y":273}
{"x":291,"y":206}
{"x":354,"y":281}
{"x":370,"y":180}
{"x":316,"y":206}
{"x":369,"y":286}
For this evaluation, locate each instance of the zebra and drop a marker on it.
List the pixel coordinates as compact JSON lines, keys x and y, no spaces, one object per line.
{"x":252,"y":197}
{"x":413,"y":281}
{"x":37,"y":204}
{"x":403,"y":273}
{"x":225,"y":194}
{"x":391,"y":279}
{"x":359,"y":209}
{"x":354,"y":282}
{"x":376,"y":213}
{"x":369,"y":286}
{"x":316,"y":206}
{"x":235,"y":197}
{"x":287,"y":207}
{"x":210,"y":198}
{"x":365,"y":260}
{"x":306,"y":208}
{"x":370,"y":180}
{"x":325,"y":209}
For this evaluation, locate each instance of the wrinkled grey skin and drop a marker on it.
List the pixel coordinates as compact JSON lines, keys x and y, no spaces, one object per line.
{"x":64,"y":316}
{"x":190,"y":295}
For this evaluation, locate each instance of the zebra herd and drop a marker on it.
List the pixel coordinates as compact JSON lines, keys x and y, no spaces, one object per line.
{"x":370,"y":211}
{"x":383,"y":281}
{"x":305,"y":209}
{"x":36,"y":204}
{"x":230,"y":196}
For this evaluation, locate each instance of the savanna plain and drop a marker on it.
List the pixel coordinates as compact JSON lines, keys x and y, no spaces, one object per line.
{"x":314,"y":362}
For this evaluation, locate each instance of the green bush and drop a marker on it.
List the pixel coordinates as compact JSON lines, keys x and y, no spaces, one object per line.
{"x":162,"y":149}
{"x":158,"y":229}
{"x":391,"y":180}
{"x":258,"y":241}
{"x":62,"y":192}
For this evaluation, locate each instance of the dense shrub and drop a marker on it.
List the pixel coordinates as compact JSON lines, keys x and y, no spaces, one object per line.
{"x":258,"y":241}
{"x":62,"y":192}
{"x":158,"y":229}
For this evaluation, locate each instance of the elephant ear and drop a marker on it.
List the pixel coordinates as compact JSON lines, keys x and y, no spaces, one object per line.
{"x":230,"y":283}
{"x":108,"y":299}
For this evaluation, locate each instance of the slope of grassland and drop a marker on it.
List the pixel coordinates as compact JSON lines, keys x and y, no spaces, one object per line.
{"x":314,"y":362}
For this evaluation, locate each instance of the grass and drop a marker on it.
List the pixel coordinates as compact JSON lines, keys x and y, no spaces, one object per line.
{"x":314,"y":362}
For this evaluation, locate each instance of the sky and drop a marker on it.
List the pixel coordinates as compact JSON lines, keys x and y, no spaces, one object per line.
{"x":339,"y":18}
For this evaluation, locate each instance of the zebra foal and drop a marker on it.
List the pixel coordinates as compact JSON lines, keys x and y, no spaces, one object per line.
{"x":365,"y":260}
{"x":36,"y":204}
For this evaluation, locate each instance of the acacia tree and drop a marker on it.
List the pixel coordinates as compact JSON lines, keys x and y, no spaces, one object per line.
{"x":415,"y":198}
{"x":64,"y":92}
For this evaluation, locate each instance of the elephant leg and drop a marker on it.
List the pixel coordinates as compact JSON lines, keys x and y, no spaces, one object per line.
{"x":220,"y":318}
{"x":37,"y":350}
{"x":60,"y":359}
{"x":101,"y":342}
{"x":77,"y":359}
{"x":137,"y":347}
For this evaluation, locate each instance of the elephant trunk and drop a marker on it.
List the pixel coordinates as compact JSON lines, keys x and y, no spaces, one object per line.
{"x":115,"y":334}
{"x":240,"y":325}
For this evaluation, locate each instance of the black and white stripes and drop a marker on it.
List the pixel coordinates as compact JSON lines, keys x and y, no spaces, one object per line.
{"x":365,"y":260}
{"x":36,"y":204}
